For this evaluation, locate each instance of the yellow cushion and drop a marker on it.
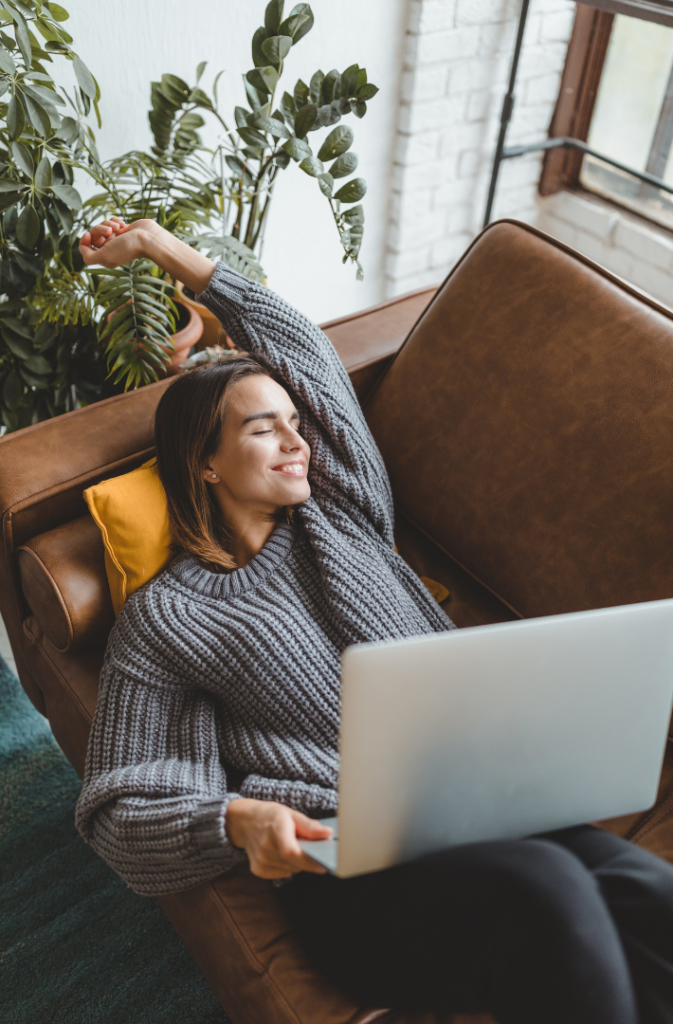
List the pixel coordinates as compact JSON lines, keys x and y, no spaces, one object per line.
{"x":132,"y":516}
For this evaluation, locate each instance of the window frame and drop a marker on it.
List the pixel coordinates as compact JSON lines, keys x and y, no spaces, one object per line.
{"x":574,"y":109}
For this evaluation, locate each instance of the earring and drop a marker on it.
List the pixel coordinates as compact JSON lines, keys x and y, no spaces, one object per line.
{"x":214,"y":476}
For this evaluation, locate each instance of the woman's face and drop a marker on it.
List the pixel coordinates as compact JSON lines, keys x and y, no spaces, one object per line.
{"x":262,"y":460}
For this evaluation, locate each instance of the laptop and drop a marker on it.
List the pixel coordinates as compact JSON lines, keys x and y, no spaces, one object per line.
{"x":499,"y":731}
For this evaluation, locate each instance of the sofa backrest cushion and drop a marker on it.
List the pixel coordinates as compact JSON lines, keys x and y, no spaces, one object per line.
{"x":527,"y":426}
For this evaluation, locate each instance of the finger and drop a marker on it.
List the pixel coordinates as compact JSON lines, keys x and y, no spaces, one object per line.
{"x":290,"y":851}
{"x":309,"y":828}
{"x":85,"y":240}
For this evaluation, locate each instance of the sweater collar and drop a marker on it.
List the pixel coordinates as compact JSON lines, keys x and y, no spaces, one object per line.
{"x":191,"y":573}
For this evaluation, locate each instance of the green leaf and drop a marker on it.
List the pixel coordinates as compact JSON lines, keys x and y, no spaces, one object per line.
{"x":6,"y":63}
{"x":256,"y":79}
{"x":241,"y":117}
{"x":43,"y":173}
{"x":352,"y":191}
{"x":269,"y":77}
{"x":326,"y":183}
{"x":16,"y":119}
{"x":9,"y":185}
{"x":273,"y":16}
{"x":276,"y":49}
{"x":297,"y":148}
{"x":10,"y":419}
{"x":270,"y":125}
{"x":21,"y":33}
{"x":28,"y":227}
{"x":311,"y":165}
{"x":360,"y":79}
{"x":47,"y":97}
{"x":69,"y":130}
{"x":4,"y":86}
{"x":301,"y":94}
{"x":328,"y":114}
{"x":9,"y":199}
{"x":84,"y":78}
{"x":305,"y":119}
{"x":337,"y":142}
{"x":31,"y":379}
{"x":292,"y":25}
{"x":201,"y":98}
{"x":359,"y":107}
{"x":356,"y":215}
{"x":314,"y":88}
{"x":252,"y":137}
{"x":288,"y":108}
{"x":258,"y":58}
{"x":57,"y":12}
{"x":200,"y":68}
{"x":38,"y":364}
{"x":39,"y":118}
{"x":12,"y":391}
{"x":348,"y":78}
{"x":365,"y":92}
{"x":300,"y":10}
{"x":19,"y":347}
{"x":329,"y":86}
{"x":344,"y":165}
{"x":68,"y":195}
{"x":16,"y":326}
{"x":23,"y":159}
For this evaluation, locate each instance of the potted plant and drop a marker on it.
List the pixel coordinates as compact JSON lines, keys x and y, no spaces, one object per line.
{"x":54,"y":312}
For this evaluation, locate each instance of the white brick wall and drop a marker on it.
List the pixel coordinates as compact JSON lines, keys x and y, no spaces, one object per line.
{"x":457,"y":58}
{"x":458,"y":55}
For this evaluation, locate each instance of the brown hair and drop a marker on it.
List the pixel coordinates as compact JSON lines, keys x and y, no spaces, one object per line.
{"x":187,"y":427}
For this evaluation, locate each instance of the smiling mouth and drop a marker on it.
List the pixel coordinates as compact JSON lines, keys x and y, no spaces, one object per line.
{"x":291,"y":469}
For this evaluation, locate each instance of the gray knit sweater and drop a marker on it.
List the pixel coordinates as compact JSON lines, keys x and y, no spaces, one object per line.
{"x":205,"y":670}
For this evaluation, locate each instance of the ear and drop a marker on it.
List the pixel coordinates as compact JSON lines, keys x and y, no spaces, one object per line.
{"x":210,"y":476}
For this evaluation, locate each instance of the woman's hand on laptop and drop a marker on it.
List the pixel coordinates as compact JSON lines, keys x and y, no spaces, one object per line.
{"x":269,"y":834}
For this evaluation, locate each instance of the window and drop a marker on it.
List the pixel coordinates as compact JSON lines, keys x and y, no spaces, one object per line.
{"x":617,"y":95}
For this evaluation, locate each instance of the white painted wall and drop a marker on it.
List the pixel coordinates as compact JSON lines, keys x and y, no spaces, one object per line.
{"x":128,"y":43}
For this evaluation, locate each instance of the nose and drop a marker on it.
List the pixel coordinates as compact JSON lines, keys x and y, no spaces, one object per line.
{"x":292,"y":439}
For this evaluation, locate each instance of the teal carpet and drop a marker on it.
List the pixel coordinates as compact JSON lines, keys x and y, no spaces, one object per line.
{"x":76,"y":945}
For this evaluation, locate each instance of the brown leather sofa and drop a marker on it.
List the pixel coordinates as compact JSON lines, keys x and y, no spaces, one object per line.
{"x":527,"y":425}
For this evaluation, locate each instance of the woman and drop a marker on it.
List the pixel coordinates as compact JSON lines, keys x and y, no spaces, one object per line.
{"x":281,"y":508}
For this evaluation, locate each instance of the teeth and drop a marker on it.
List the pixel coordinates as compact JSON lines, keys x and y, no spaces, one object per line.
{"x":296,"y":469}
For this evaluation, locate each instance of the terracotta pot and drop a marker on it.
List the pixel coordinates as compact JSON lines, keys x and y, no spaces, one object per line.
{"x":214,"y":333}
{"x":183,"y":339}
{"x":187,"y":337}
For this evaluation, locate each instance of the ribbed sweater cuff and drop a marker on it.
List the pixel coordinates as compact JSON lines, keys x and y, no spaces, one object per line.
{"x":208,"y":832}
{"x":227,"y":291}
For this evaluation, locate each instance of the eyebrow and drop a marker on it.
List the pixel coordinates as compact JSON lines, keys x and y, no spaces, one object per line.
{"x":266,"y":416}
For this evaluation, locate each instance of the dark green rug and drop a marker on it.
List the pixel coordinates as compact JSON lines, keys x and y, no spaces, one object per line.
{"x":76,"y":945}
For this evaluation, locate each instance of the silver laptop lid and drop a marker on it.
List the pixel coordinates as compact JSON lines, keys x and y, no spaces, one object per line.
{"x":501,"y":731}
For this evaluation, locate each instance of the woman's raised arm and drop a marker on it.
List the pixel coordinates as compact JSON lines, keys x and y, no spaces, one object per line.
{"x":346,"y":469}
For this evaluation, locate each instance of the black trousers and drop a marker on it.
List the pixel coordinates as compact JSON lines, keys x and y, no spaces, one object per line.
{"x":572,"y":927}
